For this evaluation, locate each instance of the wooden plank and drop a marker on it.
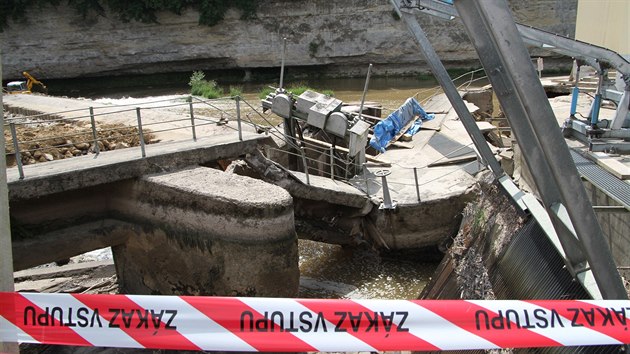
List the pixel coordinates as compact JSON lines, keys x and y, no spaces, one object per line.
{"x":454,"y":161}
{"x":402,"y":131}
{"x":611,"y":165}
{"x":400,"y":144}
{"x":66,"y":270}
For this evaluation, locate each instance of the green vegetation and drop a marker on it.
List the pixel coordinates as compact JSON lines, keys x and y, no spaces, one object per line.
{"x":479,"y":221}
{"x":264,"y":92}
{"x":201,"y":87}
{"x":296,"y":90}
{"x":236,"y":91}
{"x":211,"y":12}
{"x":330,"y":93}
{"x":395,"y":15}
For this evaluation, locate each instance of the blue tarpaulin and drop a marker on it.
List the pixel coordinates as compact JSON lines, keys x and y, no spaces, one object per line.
{"x":388,"y":128}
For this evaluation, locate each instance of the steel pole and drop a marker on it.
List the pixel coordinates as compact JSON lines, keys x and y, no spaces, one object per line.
{"x":192,"y":120}
{"x":140,"y":133}
{"x":503,"y":85}
{"x":97,"y":150}
{"x":367,"y":83}
{"x":284,"y":50}
{"x":6,"y":248}
{"x":238,"y":118}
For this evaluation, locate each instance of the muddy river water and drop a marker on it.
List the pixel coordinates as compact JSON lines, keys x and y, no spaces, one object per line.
{"x":330,"y":271}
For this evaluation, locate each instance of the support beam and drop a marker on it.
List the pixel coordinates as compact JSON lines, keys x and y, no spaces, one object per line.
{"x":440,"y":73}
{"x":589,"y":53}
{"x":500,"y":47}
{"x":6,"y":257}
{"x":6,"y":254}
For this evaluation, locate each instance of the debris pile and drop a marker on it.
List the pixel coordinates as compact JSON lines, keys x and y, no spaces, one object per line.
{"x":47,"y":141}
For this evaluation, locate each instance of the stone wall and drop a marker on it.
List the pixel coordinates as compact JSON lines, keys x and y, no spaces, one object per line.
{"x":334,"y":38}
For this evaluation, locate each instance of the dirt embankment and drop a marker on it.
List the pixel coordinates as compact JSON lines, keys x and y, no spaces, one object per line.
{"x":42,"y":141}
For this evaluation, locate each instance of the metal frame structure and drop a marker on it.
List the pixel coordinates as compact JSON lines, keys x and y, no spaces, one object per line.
{"x":440,"y":73}
{"x":600,"y":58}
{"x":500,"y":46}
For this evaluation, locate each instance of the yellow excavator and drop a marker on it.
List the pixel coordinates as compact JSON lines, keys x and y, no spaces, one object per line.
{"x":29,"y":86}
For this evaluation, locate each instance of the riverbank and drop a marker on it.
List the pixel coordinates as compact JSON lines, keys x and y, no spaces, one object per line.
{"x":324,"y":38}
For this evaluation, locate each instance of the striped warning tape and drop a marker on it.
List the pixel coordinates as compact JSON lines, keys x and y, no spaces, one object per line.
{"x":264,"y":324}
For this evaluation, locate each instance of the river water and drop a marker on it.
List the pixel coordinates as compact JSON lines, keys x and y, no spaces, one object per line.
{"x":331,"y":271}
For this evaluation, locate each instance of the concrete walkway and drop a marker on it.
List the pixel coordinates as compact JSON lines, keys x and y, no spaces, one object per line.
{"x":111,"y":166}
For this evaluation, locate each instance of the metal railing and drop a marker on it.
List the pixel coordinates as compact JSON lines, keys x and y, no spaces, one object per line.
{"x":93,"y":127}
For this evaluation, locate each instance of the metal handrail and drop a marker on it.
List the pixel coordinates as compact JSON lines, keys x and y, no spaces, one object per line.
{"x":95,"y":131}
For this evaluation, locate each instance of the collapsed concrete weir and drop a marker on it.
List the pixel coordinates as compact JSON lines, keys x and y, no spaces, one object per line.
{"x":61,"y":202}
{"x":323,"y":209}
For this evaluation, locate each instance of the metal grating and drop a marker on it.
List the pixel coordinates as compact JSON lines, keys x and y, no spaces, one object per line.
{"x":531,"y":268}
{"x":608,"y":183}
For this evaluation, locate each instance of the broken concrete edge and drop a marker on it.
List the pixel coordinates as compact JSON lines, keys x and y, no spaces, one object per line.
{"x":487,"y":228}
{"x":341,"y":193}
{"x":67,"y":270}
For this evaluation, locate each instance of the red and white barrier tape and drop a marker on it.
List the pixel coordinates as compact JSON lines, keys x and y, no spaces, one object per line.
{"x":264,"y":324}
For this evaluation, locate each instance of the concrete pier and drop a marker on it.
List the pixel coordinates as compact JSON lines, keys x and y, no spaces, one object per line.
{"x":205,"y":232}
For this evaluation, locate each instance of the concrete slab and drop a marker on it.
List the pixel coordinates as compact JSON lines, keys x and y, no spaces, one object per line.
{"x":433,"y":183}
{"x":611,"y":164}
